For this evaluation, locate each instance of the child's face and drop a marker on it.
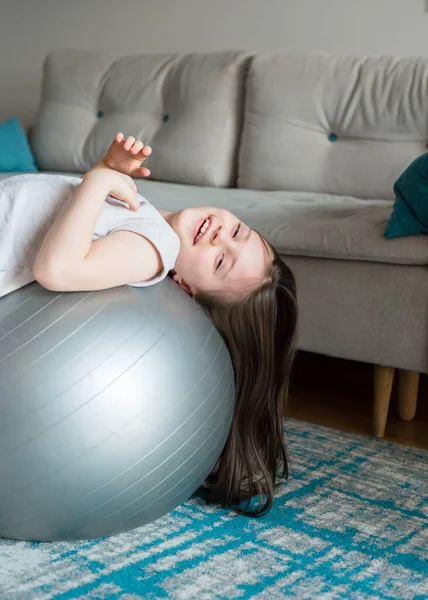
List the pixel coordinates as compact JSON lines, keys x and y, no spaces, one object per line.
{"x":229,"y":257}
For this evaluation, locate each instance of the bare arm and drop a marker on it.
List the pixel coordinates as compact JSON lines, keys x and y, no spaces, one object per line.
{"x":70,"y":261}
{"x":69,"y":239}
{"x":119,"y":258}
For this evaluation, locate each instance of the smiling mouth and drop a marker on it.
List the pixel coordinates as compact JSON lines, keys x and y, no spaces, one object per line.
{"x":205,"y":225}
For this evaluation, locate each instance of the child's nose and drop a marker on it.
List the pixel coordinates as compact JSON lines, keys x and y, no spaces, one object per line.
{"x":218,"y":235}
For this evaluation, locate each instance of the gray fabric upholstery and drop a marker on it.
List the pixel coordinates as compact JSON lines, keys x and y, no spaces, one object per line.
{"x":188,"y":107}
{"x":360,"y":297}
{"x":366,"y":311}
{"x":318,"y":141}
{"x":303,"y":224}
{"x":375,"y":106}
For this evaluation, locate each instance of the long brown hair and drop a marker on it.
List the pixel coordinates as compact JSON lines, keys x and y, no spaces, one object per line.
{"x":260,"y":333}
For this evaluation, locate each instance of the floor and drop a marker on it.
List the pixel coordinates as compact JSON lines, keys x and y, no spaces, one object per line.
{"x":338,"y":393}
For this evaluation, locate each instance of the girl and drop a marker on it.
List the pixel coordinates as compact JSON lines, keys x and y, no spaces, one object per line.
{"x":74,"y":235}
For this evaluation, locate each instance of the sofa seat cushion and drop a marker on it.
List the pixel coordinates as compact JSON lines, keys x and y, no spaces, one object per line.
{"x":301,"y":223}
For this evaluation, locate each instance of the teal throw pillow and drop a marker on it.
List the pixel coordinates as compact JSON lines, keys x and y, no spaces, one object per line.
{"x":410,"y":211}
{"x":15,"y":151}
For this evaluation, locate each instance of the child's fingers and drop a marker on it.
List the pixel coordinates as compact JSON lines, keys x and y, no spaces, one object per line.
{"x":141,"y":172}
{"x":145,"y":152}
{"x":128,"y":143}
{"x":119,"y":137}
{"x":136,"y":147}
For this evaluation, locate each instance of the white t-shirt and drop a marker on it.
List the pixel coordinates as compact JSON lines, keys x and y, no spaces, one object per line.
{"x":29,"y":204}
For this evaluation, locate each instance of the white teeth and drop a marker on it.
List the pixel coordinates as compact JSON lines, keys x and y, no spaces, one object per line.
{"x":202,"y":230}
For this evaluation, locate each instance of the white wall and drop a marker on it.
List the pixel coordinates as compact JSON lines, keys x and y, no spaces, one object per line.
{"x":30,"y":28}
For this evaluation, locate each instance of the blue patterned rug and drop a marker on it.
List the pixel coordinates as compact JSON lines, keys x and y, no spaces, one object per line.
{"x":351,"y":523}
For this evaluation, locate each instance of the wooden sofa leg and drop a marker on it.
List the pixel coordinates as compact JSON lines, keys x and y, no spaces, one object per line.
{"x":383,"y":380}
{"x":408,"y":383}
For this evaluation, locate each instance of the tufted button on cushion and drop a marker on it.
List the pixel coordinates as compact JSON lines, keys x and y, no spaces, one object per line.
{"x":332,"y":137}
{"x":100,"y":114}
{"x":165,"y":118}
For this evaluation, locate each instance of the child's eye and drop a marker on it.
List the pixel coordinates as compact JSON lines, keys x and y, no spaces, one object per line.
{"x":237,"y":230}
{"x":220,"y":262}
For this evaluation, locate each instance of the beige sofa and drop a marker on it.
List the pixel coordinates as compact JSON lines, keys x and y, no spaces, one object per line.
{"x":305,"y":147}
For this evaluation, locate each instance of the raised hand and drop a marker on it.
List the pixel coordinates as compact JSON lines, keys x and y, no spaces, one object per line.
{"x":126,"y":155}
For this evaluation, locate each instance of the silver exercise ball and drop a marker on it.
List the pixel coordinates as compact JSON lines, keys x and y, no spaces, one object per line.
{"x":115,"y":406}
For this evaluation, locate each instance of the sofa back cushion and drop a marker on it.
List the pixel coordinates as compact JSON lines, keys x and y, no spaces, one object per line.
{"x":339,"y":125}
{"x":187,"y":107}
